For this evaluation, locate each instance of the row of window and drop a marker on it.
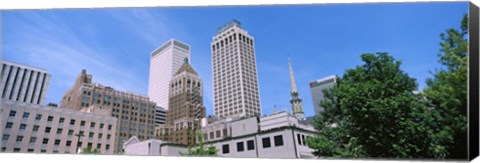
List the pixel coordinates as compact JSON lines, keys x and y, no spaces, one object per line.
{"x":45,"y":141}
{"x":49,"y":129}
{"x":266,"y":143}
{"x":61,"y":120}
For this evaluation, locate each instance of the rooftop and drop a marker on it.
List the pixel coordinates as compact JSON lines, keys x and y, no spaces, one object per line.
{"x":231,"y":23}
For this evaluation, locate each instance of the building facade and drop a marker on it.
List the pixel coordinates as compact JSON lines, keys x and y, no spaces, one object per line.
{"x":186,"y":107}
{"x":235,"y":81}
{"x":135,"y":113}
{"x":296,"y":101}
{"x":279,"y":135}
{"x":24,"y":83}
{"x":316,"y":89}
{"x":32,"y":128}
{"x":152,"y":147}
{"x":164,"y":63}
{"x":160,"y":116}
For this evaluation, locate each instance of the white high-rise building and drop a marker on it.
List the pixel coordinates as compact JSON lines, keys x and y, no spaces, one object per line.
{"x":24,"y":83}
{"x":164,"y":63}
{"x":316,"y":89}
{"x":235,"y":82}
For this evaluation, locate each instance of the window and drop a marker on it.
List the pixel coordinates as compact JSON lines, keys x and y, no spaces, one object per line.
{"x":16,"y":149}
{"x":99,"y":146}
{"x":72,"y":122}
{"x":278,"y":140}
{"x":19,"y":139}
{"x":211,"y":135}
{"x":59,"y":131}
{"x":299,"y":139}
{"x":23,"y":127}
{"x":25,"y":115}
{"x":38,"y":117}
{"x":101,"y":125}
{"x":43,"y":151}
{"x":109,"y":127}
{"x":82,"y":123}
{"x":13,"y":113}
{"x":107,"y":147}
{"x":30,"y":150}
{"x":47,"y":129}
{"x":4,"y":149}
{"x":303,"y":139}
{"x":45,"y":141}
{"x":70,"y":132}
{"x":69,"y":143}
{"x":92,"y":124}
{"x":50,"y":118}
{"x":9,"y":125}
{"x":225,"y":132}
{"x":57,"y":141}
{"x":108,"y":137}
{"x":225,"y":148}
{"x":33,"y":140}
{"x":61,"y":120}
{"x":100,"y":136}
{"x":240,"y":147}
{"x":250,"y":145}
{"x":218,"y":133}
{"x":35,"y":128}
{"x":90,"y":135}
{"x":266,"y":142}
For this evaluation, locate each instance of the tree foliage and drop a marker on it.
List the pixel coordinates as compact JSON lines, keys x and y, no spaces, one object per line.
{"x":373,"y":111}
{"x":90,"y":150}
{"x":200,"y":149}
{"x":447,"y":90}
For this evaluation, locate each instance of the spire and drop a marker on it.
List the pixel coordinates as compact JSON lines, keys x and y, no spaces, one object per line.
{"x":185,"y":60}
{"x":293,"y":85}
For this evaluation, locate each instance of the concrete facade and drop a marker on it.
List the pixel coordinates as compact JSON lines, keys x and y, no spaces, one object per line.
{"x":42,"y":129}
{"x":152,"y":147}
{"x":164,"y":63}
{"x":24,"y":83}
{"x":316,"y":89}
{"x":160,"y":115}
{"x":235,"y":81}
{"x":135,"y":113}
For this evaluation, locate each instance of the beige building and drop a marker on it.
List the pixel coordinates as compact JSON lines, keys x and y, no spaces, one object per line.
{"x":186,"y":107}
{"x":135,"y":113}
{"x":235,"y":82}
{"x":36,"y":128}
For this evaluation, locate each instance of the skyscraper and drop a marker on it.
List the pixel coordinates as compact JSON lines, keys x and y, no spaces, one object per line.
{"x":235,"y":82}
{"x":24,"y":83}
{"x":316,"y":89}
{"x":186,"y":107}
{"x":296,"y":102}
{"x":164,"y":62}
{"x":135,"y":113}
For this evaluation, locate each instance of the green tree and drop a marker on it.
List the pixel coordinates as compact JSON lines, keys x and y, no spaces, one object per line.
{"x":447,"y":90}
{"x":373,"y":111}
{"x":199,"y":148}
{"x":90,"y":150}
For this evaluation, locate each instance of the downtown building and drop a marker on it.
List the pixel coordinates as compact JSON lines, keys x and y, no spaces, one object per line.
{"x":135,"y":113}
{"x":186,"y":107}
{"x":278,"y":135}
{"x":316,"y":89}
{"x":164,"y":63}
{"x":235,"y":81}
{"x":33,"y":128}
{"x":24,"y":83}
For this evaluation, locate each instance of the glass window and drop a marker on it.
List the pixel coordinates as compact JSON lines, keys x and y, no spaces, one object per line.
{"x":59,"y":131}
{"x":47,"y":129}
{"x":57,"y":141}
{"x":72,"y":122}
{"x":69,"y":143}
{"x":19,"y":139}
{"x":45,"y":141}
{"x":250,"y":145}
{"x":266,"y":142}
{"x":25,"y":115}
{"x":82,"y":123}
{"x":61,"y":120}
{"x":35,"y":128}
{"x":218,"y":133}
{"x":38,"y":117}
{"x":225,"y":149}
{"x":33,"y":139}
{"x":50,"y":118}
{"x":13,"y":113}
{"x":107,"y":146}
{"x":23,"y":126}
{"x":92,"y":124}
{"x":278,"y":140}
{"x":109,"y":127}
{"x":101,"y":125}
{"x":299,"y":139}
{"x":70,"y":132}
{"x":30,"y":150}
{"x":9,"y":125}
{"x":100,"y":136}
{"x":5,"y":137}
{"x":99,"y":146}
{"x":90,"y":135}
{"x":240,"y":147}
{"x":303,"y":139}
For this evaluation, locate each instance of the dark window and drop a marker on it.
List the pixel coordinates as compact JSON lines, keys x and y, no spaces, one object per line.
{"x":45,"y":141}
{"x":218,"y":133}
{"x":240,"y":147}
{"x":57,"y":142}
{"x":13,"y":113}
{"x":5,"y":137}
{"x":30,"y":150}
{"x":250,"y":145}
{"x":225,"y":132}
{"x":82,"y":123}
{"x":100,"y":136}
{"x":109,"y":127}
{"x":59,"y":131}
{"x":33,"y":139}
{"x":92,"y":124}
{"x":101,"y":125}
{"x":16,"y":149}
{"x":99,"y":146}
{"x":303,"y":139}
{"x":50,"y":118}
{"x":19,"y":138}
{"x":35,"y":128}
{"x":38,"y":117}
{"x":70,"y":132}
{"x":43,"y":150}
{"x":225,"y":148}
{"x":107,"y":147}
{"x":61,"y":120}
{"x":26,"y":115}
{"x":9,"y":125}
{"x":90,"y":135}
{"x":211,"y":135}
{"x":72,"y":121}
{"x":299,"y":139}
{"x":23,"y":126}
{"x":108,"y":137}
{"x":69,"y":143}
{"x":278,"y":140}
{"x":47,"y":129}
{"x":266,"y":142}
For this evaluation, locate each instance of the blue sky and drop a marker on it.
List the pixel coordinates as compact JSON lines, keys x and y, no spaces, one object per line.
{"x":322,"y":40}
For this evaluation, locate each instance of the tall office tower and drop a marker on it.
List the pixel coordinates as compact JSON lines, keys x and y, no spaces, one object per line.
{"x":164,"y":62}
{"x":235,"y":83}
{"x":186,"y":107}
{"x":24,"y":83}
{"x":296,"y":102}
{"x":135,"y":113}
{"x":316,"y":89}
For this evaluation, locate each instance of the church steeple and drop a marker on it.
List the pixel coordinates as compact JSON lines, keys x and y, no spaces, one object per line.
{"x":296,"y":102}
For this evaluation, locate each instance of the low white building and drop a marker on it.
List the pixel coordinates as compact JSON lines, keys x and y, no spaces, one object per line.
{"x":152,"y":147}
{"x":279,"y":135}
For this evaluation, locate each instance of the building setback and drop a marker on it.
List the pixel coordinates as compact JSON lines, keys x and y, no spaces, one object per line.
{"x":316,"y":89}
{"x":186,"y":107}
{"x":135,"y":113}
{"x":235,"y":83}
{"x":24,"y":83}
{"x":36,"y":128}
{"x":279,"y":135}
{"x":164,"y":63}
